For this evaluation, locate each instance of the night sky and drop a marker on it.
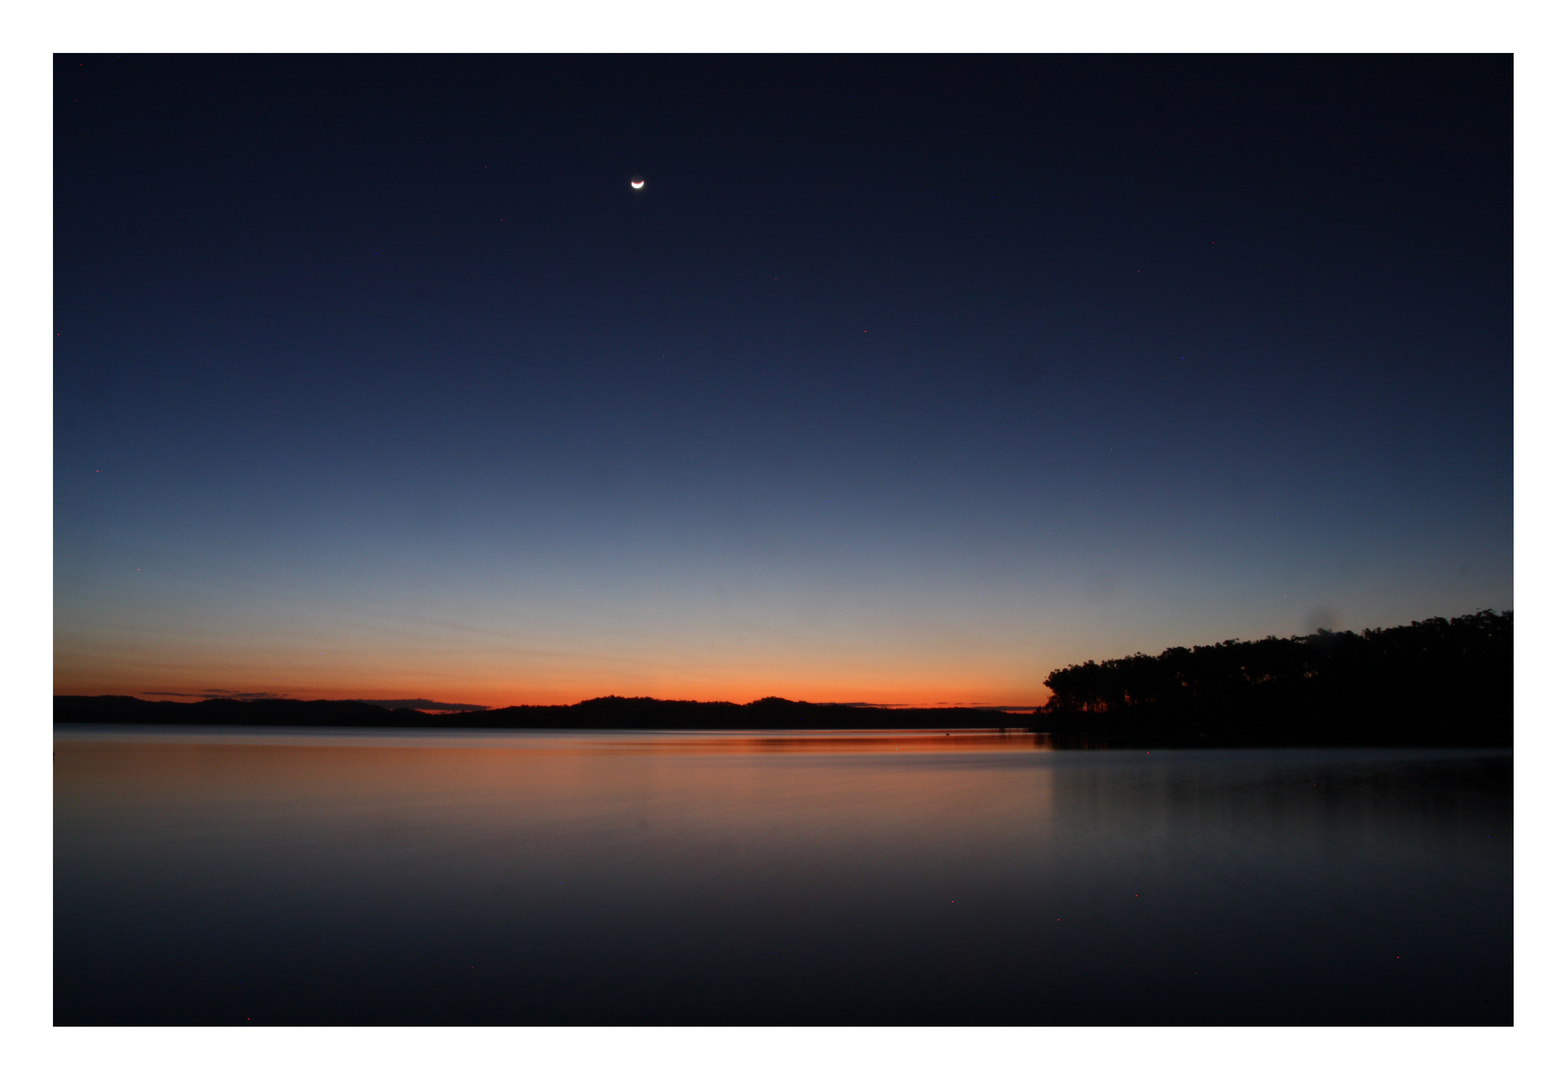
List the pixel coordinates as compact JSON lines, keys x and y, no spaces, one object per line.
{"x":903,"y":379}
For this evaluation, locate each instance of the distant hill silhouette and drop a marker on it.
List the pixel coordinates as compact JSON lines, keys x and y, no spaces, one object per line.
{"x":600,"y":713}
{"x":424,"y":705}
{"x":1434,"y":682}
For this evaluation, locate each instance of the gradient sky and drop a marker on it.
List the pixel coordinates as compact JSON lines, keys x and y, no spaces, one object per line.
{"x":903,"y":380}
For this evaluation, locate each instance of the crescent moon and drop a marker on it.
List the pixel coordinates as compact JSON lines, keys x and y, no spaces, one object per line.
{"x":636,"y":183}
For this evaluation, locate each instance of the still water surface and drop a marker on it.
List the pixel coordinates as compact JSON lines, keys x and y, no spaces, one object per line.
{"x":231,"y":877}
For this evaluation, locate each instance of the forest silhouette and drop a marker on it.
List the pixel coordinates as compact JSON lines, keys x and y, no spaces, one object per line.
{"x":1433,"y":682}
{"x":1437,"y":682}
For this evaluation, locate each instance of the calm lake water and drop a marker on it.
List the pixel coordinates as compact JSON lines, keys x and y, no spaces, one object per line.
{"x":221,"y":876}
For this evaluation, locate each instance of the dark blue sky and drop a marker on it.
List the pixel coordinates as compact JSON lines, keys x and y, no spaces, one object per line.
{"x":904,"y":379}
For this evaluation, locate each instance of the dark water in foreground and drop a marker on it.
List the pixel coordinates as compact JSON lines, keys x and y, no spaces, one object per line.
{"x":223,"y":877}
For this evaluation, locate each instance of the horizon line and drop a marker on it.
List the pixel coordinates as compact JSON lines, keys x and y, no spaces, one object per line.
{"x":427,"y":705}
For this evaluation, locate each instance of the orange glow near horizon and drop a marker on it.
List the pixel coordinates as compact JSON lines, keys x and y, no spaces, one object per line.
{"x":493,"y":699}
{"x":993,"y":667}
{"x":472,"y":687}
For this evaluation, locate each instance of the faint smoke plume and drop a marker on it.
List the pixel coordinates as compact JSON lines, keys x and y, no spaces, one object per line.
{"x":1320,"y":617}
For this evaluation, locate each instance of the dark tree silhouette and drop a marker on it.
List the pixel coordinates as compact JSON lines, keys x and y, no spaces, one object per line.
{"x":1437,"y":681}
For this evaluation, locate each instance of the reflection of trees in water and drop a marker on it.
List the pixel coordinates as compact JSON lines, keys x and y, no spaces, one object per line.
{"x":1445,"y":680}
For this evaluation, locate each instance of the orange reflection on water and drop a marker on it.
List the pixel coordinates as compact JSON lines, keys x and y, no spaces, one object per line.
{"x":512,"y":831}
{"x":848,"y":742}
